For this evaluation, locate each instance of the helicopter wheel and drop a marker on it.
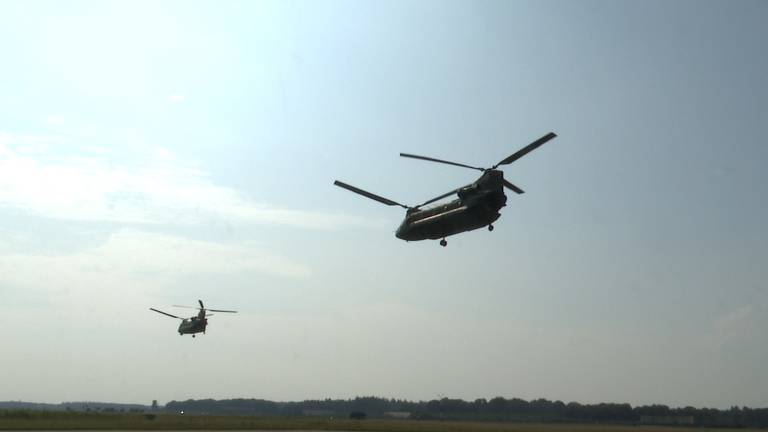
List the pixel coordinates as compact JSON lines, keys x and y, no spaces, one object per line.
{"x":490,"y":227}
{"x":193,"y":335}
{"x":443,"y":243}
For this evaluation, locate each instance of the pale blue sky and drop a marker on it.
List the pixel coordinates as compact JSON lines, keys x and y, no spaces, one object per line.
{"x":155,"y":153}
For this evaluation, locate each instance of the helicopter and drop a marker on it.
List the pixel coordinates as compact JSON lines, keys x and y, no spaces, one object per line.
{"x":195,"y":324}
{"x":477,"y":205}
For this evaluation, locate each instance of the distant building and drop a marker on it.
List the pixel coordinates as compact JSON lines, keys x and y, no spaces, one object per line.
{"x":666,"y":420}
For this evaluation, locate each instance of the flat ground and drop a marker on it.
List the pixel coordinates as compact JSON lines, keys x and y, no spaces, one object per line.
{"x":42,"y":421}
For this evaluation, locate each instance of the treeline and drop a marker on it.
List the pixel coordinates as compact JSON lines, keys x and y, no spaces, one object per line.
{"x":74,"y":406}
{"x":496,"y":409}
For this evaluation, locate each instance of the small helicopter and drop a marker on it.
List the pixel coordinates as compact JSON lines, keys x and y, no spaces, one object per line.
{"x":195,"y":324}
{"x":478,"y":203}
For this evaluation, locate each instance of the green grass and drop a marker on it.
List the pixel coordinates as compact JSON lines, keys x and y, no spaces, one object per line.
{"x":37,"y":420}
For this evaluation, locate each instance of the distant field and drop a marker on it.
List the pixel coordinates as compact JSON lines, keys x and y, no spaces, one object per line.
{"x":30,"y":420}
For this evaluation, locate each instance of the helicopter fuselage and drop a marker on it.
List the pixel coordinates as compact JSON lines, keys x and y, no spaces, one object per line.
{"x":193,"y":325}
{"x":478,"y":206}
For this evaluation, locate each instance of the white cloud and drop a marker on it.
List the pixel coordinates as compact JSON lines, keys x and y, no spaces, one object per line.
{"x":159,"y":190}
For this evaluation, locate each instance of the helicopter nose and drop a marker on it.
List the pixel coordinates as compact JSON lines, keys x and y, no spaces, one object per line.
{"x":400,"y":233}
{"x":403,"y":232}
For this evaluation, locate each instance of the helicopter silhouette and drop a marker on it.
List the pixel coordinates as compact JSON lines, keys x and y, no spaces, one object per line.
{"x":195,"y":324}
{"x":477,"y":205}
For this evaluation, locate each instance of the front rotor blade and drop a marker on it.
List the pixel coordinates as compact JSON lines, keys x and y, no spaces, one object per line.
{"x":438,"y":198}
{"x":187,"y":307}
{"x":221,"y":310}
{"x":201,"y":304}
{"x":527,"y":149}
{"x":440,"y":161}
{"x":513,"y":187}
{"x":447,"y":194}
{"x":165,"y":313}
{"x":366,"y":194}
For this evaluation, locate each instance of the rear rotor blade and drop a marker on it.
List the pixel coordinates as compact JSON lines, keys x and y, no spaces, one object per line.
{"x":165,"y":313}
{"x":527,"y":149}
{"x":221,"y":310}
{"x":407,"y":155}
{"x":513,"y":187}
{"x":201,"y":304}
{"x":366,"y":194}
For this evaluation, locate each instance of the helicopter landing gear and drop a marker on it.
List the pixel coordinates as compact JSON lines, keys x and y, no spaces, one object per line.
{"x":443,"y":243}
{"x":193,"y":335}
{"x":490,"y":227}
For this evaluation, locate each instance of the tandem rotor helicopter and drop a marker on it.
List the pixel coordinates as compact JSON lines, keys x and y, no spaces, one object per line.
{"x":478,"y":203}
{"x":195,"y":324}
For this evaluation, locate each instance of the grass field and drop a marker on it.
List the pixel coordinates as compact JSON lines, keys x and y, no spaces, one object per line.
{"x":32,"y":420}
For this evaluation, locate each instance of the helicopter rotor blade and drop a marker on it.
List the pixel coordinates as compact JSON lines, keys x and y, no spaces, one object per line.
{"x":165,"y":313}
{"x":202,"y":307}
{"x":186,"y":307}
{"x":413,"y":156}
{"x":527,"y":149}
{"x":367,"y":194}
{"x":438,"y":198}
{"x":513,"y":187}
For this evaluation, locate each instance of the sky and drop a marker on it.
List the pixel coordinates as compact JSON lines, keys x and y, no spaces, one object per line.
{"x":157,"y":153}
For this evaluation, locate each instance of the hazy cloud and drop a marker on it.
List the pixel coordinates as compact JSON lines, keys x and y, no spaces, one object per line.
{"x":736,"y":323}
{"x":139,"y":258}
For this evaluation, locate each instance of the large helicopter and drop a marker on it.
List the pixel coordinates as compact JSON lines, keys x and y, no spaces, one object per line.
{"x":477,"y":205}
{"x":195,"y":324}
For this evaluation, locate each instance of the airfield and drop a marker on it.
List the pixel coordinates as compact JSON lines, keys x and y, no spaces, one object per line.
{"x":56,"y":421}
